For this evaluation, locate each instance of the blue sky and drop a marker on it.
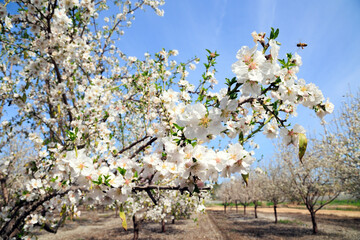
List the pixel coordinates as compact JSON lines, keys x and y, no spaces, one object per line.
{"x":330,"y":28}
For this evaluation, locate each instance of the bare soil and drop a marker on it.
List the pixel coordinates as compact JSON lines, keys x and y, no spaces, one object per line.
{"x":215,"y":224}
{"x":290,"y":226}
{"x":93,"y":225}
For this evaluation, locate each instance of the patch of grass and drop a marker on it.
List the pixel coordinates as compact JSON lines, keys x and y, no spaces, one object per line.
{"x":218,"y":204}
{"x":350,"y":202}
{"x":287,"y":221}
{"x":344,"y":209}
{"x":344,"y":205}
{"x":222,"y":204}
{"x":271,"y":204}
{"x":284,"y":221}
{"x":329,"y":207}
{"x":355,"y":203}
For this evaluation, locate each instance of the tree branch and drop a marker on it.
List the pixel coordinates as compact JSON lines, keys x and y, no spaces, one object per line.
{"x":131,"y":145}
{"x":50,"y":229}
{"x":143,"y":147}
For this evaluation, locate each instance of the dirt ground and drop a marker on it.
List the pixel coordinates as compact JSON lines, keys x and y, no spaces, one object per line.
{"x":291,"y":226}
{"x":103,"y":226}
{"x":215,"y":224}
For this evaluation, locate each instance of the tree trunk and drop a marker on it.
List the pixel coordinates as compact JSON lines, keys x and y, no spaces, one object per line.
{"x":275,"y":213}
{"x":136,"y":228}
{"x":116,"y":210}
{"x":173,"y":221}
{"x":236,"y":206}
{"x":245,"y":209}
{"x":313,"y":220}
{"x":225,"y":207}
{"x":163,"y":225}
{"x":255,"y":210}
{"x":4,"y":190}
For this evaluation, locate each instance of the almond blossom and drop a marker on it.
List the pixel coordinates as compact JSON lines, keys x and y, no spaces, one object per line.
{"x":109,"y":127}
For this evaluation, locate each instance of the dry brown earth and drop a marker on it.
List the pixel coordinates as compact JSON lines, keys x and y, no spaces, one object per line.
{"x":294,"y":224}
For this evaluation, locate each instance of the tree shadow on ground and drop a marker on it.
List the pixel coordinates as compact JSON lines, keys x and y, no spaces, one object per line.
{"x":264,"y":229}
{"x":353,"y":223}
{"x":147,"y":229}
{"x":348,"y":222}
{"x":234,"y":225}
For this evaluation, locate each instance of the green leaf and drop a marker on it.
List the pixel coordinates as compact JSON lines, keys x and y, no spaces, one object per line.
{"x":100,"y":179}
{"x":276,"y":33}
{"x":282,"y":61}
{"x":178,"y":127}
{"x":246,"y":178}
{"x":77,"y":16}
{"x":23,"y":98}
{"x":241,"y":138}
{"x":302,"y":145}
{"x":272,"y":33}
{"x":123,"y":218}
{"x":54,"y":179}
{"x":122,"y":171}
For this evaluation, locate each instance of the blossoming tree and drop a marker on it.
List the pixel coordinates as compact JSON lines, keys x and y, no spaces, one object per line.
{"x":343,"y":143}
{"x":225,"y":193}
{"x":13,"y":155}
{"x":256,"y":190}
{"x":315,"y":180}
{"x":274,"y":185}
{"x":105,"y":125}
{"x":243,"y":194}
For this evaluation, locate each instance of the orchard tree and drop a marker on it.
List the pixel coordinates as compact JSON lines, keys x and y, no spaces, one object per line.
{"x":226,"y":193}
{"x":256,"y":188}
{"x":105,"y":124}
{"x":242,"y":193}
{"x":170,"y":204}
{"x":314,"y":180}
{"x":343,"y":143}
{"x":274,"y":185}
{"x":248,"y":190}
{"x":13,"y":155}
